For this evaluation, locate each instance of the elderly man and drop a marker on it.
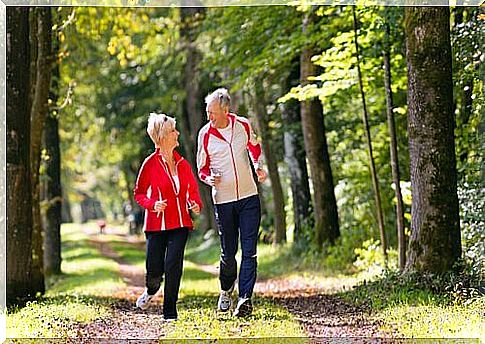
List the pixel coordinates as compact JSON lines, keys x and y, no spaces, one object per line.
{"x":223,"y":163}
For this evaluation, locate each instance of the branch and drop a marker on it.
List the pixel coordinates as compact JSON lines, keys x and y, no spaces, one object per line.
{"x":68,"y":21}
{"x":68,"y":99}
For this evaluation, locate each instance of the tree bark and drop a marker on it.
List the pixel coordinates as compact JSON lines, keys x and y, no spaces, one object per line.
{"x":375,"y":182}
{"x":393,"y":150}
{"x":38,"y":115}
{"x":192,"y":114}
{"x":274,"y":176}
{"x":435,"y":243}
{"x":52,"y":190}
{"x":19,"y":190}
{"x":324,"y":202}
{"x":295,"y":157}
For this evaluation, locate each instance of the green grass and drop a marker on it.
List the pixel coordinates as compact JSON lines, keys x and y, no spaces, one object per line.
{"x":412,"y":310}
{"x":198,"y":317}
{"x":80,"y":294}
{"x":437,"y":321}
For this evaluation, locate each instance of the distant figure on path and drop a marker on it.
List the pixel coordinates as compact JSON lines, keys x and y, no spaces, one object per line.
{"x":223,"y":163}
{"x":166,"y":188}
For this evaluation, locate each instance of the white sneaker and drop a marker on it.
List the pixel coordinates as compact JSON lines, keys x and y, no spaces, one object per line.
{"x":225,"y":300}
{"x":143,"y":301}
{"x":244,"y":308}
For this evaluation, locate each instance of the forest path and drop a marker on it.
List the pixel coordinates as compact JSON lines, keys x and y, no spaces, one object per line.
{"x":313,"y":304}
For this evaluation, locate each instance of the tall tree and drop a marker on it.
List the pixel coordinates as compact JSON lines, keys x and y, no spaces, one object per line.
{"x":393,"y":148}
{"x":191,"y":18}
{"x":259,"y":108}
{"x":43,"y":62}
{"x":19,"y":191}
{"x":435,"y":243}
{"x":295,"y":156}
{"x":365,"y":118}
{"x":51,"y":186}
{"x":325,"y":204}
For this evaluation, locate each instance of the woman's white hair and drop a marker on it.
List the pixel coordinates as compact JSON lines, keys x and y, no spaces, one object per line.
{"x":159,"y":124}
{"x":221,"y":96}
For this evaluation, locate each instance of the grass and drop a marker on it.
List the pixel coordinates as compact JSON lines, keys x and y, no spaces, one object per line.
{"x":80,"y":294}
{"x":410,"y":310}
{"x":437,"y":321}
{"x":198,"y":298}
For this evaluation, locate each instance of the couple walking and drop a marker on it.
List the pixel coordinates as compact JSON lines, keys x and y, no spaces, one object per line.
{"x":167,"y":189}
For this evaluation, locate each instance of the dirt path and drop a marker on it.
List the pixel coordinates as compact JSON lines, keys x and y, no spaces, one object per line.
{"x":319,"y":312}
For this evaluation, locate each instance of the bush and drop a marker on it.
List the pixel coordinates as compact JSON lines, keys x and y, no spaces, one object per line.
{"x":472,"y":223}
{"x":370,"y":258}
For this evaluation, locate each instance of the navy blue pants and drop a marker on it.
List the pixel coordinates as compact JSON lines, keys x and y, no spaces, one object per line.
{"x":165,"y":256}
{"x":239,"y":220}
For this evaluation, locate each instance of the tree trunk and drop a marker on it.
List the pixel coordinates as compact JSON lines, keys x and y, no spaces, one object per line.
{"x":274,"y":176}
{"x":38,"y":115}
{"x":19,"y":191}
{"x":66,"y":216}
{"x":375,"y":182}
{"x":324,"y":202}
{"x":192,"y":115}
{"x":295,"y":157}
{"x":52,"y":186}
{"x":393,"y":148}
{"x":435,"y":243}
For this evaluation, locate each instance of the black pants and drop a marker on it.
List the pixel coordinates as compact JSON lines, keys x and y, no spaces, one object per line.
{"x":165,"y":255}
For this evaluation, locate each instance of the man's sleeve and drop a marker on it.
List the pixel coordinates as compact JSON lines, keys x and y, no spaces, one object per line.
{"x":254,"y":146}
{"x":203,"y":161}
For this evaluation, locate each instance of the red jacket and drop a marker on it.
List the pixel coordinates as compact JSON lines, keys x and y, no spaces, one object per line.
{"x":154,"y":183}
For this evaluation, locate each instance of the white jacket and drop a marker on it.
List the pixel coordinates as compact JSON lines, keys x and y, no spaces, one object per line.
{"x":230,"y":158}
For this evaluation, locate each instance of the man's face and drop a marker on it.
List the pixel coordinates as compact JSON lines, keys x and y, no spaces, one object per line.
{"x":216,"y":114}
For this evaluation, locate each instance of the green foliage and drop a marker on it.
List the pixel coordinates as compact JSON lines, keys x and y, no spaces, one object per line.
{"x":126,"y":63}
{"x":472,"y":223}
{"x":371,"y":260}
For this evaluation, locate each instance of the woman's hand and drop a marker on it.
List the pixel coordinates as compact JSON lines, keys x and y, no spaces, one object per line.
{"x":194,"y":207}
{"x":160,"y":206}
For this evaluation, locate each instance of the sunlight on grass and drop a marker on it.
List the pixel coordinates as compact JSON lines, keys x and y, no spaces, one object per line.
{"x":198,"y":318}
{"x":78,"y":295}
{"x":435,"y":321}
{"x":85,"y":270}
{"x":49,"y":318}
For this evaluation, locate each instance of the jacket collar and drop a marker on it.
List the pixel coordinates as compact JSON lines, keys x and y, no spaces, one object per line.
{"x":177,"y":157}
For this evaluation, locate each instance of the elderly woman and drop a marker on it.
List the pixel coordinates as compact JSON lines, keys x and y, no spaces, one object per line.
{"x":167,"y":189}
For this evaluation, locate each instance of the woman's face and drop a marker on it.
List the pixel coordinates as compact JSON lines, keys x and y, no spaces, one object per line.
{"x":216,"y":114}
{"x":171,"y":137}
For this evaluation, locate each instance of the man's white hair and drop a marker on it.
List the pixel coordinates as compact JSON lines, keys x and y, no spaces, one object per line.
{"x":159,"y":124}
{"x":221,"y":96}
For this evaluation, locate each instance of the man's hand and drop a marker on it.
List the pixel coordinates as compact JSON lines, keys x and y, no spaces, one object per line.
{"x":261,"y":175}
{"x":213,"y":180}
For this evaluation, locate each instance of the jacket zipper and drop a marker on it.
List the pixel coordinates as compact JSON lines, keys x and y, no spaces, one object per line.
{"x":167,"y":171}
{"x":235,"y":170}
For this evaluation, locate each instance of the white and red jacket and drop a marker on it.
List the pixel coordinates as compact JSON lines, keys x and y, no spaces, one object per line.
{"x":155,"y":183}
{"x":226,"y":151}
